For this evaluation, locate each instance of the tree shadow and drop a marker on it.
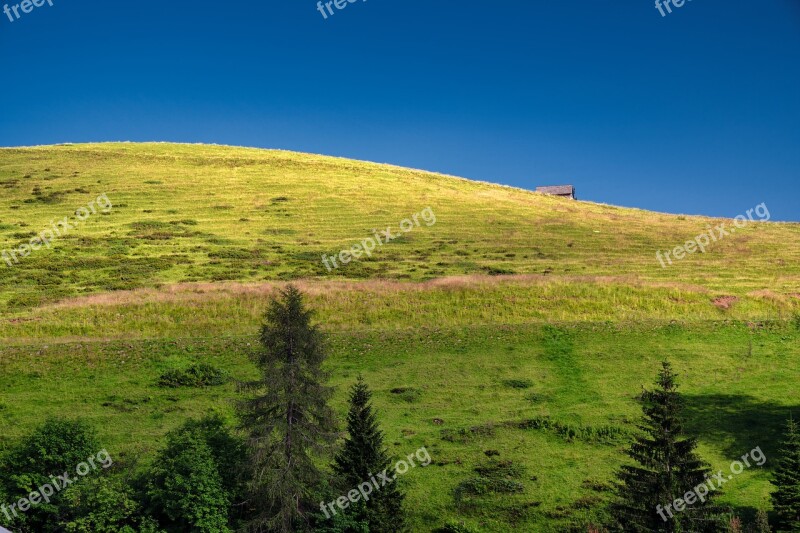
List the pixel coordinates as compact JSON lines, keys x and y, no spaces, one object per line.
{"x":738,"y":423}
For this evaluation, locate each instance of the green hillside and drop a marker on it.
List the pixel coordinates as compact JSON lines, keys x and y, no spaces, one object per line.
{"x":516,"y":323}
{"x":191,"y":213}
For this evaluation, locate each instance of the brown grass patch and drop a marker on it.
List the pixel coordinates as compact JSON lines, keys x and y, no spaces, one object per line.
{"x":768,"y":295}
{"x":197,"y":292}
{"x":725,"y":302}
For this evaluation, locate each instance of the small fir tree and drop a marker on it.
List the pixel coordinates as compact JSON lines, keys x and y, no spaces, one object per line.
{"x":362,"y":457}
{"x":666,"y":468}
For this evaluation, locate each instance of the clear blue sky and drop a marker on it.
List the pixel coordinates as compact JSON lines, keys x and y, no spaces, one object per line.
{"x":696,"y":112}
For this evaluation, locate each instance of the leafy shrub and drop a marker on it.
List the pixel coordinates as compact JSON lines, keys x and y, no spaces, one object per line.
{"x":407,"y":394}
{"x":57,"y":446}
{"x":187,"y":490}
{"x":533,"y":397}
{"x":157,"y":230}
{"x":46,"y":198}
{"x":481,"y":486}
{"x":200,"y":375}
{"x":465,"y":435}
{"x":494,"y":477}
{"x":571,"y":432}
{"x":105,"y":505}
{"x":227,"y":450}
{"x":500,"y":469}
{"x":518,"y":383}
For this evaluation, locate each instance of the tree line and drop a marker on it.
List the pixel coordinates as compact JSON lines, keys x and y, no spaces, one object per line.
{"x":267,"y":475}
{"x":287,"y":457}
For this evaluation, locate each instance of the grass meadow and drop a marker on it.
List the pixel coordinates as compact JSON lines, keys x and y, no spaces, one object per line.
{"x":460,"y":392}
{"x":194,"y":213}
{"x":518,"y":326}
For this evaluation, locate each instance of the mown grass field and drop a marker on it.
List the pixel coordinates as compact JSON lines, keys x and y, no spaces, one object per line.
{"x":513,"y":307}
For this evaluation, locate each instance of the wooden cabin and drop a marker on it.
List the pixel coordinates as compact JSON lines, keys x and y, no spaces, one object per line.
{"x":567,"y":191}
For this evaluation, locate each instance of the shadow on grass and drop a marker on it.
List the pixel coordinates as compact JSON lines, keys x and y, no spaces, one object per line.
{"x":738,"y":423}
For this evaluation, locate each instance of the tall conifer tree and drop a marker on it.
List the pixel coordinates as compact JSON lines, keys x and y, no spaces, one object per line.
{"x":288,"y":419}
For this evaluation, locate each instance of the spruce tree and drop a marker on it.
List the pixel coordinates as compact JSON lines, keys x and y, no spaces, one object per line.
{"x":666,"y":467}
{"x":364,"y":456}
{"x":288,"y":420}
{"x":786,"y":499}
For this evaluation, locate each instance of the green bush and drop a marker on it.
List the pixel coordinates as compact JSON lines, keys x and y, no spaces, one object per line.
{"x":466,"y":435}
{"x":200,"y":375}
{"x":518,"y":383}
{"x":500,"y":469}
{"x":494,"y":477}
{"x":570,"y":432}
{"x":227,"y":450}
{"x":105,"y":505}
{"x":481,"y":486}
{"x":197,"y":477}
{"x":56,"y":447}
{"x":185,"y":491}
{"x":407,"y":394}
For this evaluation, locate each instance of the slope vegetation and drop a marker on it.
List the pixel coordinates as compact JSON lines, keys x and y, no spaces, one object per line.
{"x":197,"y":213}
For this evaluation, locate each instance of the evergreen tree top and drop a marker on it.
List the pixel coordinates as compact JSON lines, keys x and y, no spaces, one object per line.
{"x":363,"y":453}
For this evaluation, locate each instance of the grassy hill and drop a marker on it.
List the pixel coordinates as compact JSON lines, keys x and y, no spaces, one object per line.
{"x":517,"y":323}
{"x":190,"y":213}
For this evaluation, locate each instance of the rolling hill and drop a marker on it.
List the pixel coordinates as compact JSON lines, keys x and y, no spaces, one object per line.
{"x":186,"y":214}
{"x":517,"y":323}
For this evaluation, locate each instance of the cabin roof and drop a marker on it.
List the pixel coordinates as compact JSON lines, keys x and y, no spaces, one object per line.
{"x":557,"y":189}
